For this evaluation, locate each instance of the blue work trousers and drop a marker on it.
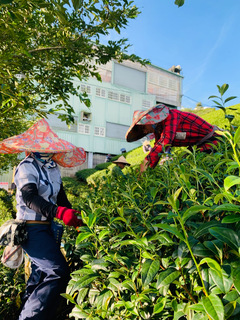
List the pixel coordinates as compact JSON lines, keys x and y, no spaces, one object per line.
{"x":49,"y":276}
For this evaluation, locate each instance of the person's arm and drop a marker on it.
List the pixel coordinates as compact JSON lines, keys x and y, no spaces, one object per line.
{"x":62,"y":199}
{"x":168,"y":134}
{"x":35,"y":202}
{"x":144,"y":165}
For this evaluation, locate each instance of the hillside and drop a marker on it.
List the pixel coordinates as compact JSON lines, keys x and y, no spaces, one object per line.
{"x":216,"y":116}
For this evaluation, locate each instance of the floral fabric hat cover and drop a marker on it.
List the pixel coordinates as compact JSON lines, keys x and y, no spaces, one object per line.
{"x":153,"y":115}
{"x":41,"y":138}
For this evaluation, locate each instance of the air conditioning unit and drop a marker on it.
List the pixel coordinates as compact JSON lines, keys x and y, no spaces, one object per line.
{"x":86,"y":116}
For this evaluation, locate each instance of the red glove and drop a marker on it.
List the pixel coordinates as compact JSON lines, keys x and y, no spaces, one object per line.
{"x":68,"y":217}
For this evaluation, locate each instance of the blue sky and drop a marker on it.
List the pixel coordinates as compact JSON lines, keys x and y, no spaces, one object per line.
{"x":202,"y":37}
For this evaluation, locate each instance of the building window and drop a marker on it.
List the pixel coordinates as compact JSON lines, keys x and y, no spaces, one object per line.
{"x":117,"y":131}
{"x":146,"y":104}
{"x":99,"y":131}
{"x":129,"y":77}
{"x":113,"y":95}
{"x":119,"y":97}
{"x":83,"y":128}
{"x":85,"y":89}
{"x":100,"y":92}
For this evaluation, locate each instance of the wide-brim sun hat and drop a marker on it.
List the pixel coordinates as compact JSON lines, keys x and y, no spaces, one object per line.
{"x":41,"y":138}
{"x":153,"y":115}
{"x":122,"y":160}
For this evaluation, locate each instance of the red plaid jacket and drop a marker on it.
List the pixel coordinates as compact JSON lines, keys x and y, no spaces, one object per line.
{"x":192,"y":127}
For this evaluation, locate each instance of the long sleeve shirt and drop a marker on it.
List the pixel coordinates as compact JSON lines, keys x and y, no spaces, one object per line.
{"x":39,"y":189}
{"x":179,"y":129}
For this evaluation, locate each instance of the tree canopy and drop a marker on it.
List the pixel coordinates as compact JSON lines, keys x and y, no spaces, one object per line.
{"x":45,"y":44}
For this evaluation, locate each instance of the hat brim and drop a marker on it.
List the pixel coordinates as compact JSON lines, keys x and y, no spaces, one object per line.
{"x":126,"y":163}
{"x":135,"y":133}
{"x":122,"y":160}
{"x":70,"y":159}
{"x":41,"y":138}
{"x":152,"y":116}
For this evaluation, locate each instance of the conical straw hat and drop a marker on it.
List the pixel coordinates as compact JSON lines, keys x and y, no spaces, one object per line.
{"x":122,"y":160}
{"x":41,"y":138}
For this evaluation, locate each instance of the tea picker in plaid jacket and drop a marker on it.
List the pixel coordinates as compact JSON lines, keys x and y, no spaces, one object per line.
{"x":40,"y":198}
{"x":171,"y":127}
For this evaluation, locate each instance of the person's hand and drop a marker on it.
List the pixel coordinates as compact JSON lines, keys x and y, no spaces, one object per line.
{"x":143,"y":166}
{"x":164,"y":159}
{"x":68,"y":217}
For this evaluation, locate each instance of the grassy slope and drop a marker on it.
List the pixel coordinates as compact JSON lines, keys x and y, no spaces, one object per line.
{"x":216,"y":116}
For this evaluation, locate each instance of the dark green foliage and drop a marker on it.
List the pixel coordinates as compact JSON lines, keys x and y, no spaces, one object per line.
{"x":82,"y":175}
{"x":102,"y":166}
{"x":58,"y":42}
{"x":162,"y":245}
{"x":7,"y":210}
{"x":12,"y":285}
{"x":114,"y":158}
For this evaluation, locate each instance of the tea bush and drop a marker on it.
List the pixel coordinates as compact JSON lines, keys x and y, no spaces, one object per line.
{"x":82,"y":175}
{"x":164,"y":244}
{"x":12,"y":285}
{"x":7,"y":210}
{"x":102,"y":166}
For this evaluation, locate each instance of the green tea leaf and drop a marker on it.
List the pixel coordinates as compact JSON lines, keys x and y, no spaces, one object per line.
{"x":213,"y":307}
{"x":83,"y":236}
{"x":193,"y":210}
{"x":236,"y":279}
{"x":81,"y":295}
{"x":171,"y":229}
{"x":227,"y":207}
{"x":231,"y":218}
{"x":104,"y":298}
{"x":227,"y":236}
{"x":212,"y":264}
{"x":68,"y":297}
{"x":166,"y":277}
{"x":78,"y":314}
{"x":149,"y":271}
{"x":229,"y":309}
{"x":237,"y":136}
{"x":222,"y":280}
{"x":103,"y":233}
{"x":84,"y":281}
{"x":231,"y":181}
{"x":159,"y":306}
{"x":204,"y":228}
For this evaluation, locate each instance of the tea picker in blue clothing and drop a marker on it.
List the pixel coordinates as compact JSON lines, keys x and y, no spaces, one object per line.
{"x":40,"y":198}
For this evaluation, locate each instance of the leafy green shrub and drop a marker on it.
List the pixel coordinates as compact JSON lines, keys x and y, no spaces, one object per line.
{"x":102,"y":166}
{"x":74,"y":190}
{"x":12,"y":285}
{"x":164,"y":244}
{"x":82,"y":175}
{"x":7,"y":210}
